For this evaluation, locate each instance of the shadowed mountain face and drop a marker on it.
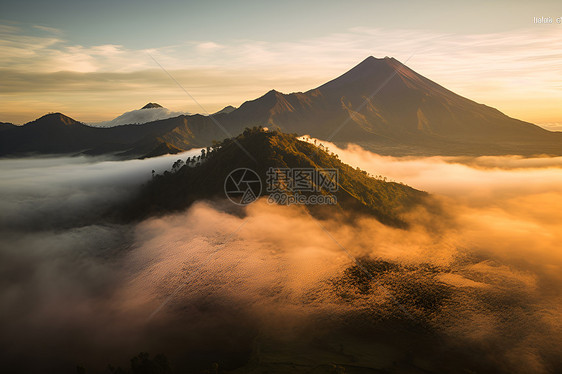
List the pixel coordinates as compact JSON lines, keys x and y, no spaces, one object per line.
{"x":6,"y":126}
{"x":380,"y":104}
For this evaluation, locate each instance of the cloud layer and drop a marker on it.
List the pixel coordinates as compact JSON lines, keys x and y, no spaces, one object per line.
{"x":205,"y":285}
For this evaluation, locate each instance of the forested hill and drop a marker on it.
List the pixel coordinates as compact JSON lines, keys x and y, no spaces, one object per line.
{"x":259,"y":150}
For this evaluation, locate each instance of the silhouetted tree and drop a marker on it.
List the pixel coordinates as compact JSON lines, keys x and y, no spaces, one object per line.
{"x":177,"y":165}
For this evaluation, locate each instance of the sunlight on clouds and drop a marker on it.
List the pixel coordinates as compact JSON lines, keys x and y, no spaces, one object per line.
{"x":480,"y":179}
{"x":497,"y":255}
{"x":47,"y":29}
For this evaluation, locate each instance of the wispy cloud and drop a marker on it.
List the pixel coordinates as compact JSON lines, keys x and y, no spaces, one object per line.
{"x":51,"y":30}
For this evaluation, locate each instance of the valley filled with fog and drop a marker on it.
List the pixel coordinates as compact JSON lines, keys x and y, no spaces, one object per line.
{"x":206,"y":285}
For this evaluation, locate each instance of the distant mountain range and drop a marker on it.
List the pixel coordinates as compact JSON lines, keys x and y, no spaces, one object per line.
{"x":149,"y":113}
{"x":380,"y":104}
{"x":259,"y":151}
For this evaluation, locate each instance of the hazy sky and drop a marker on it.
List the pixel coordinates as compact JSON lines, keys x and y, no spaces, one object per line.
{"x":91,"y":60}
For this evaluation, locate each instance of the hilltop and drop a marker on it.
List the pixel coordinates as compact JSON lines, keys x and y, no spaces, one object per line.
{"x":259,"y":151}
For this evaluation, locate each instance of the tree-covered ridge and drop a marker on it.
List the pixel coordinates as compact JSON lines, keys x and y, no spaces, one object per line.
{"x":203,"y":177}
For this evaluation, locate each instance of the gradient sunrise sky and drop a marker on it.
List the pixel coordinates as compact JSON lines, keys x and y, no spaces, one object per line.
{"x":92,"y":59}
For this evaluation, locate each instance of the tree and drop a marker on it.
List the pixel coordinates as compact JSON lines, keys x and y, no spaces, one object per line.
{"x":177,"y":165}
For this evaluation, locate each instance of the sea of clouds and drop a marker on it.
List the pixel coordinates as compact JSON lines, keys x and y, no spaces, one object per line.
{"x":79,"y":291}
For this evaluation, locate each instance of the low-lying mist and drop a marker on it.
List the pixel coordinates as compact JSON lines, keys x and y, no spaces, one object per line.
{"x":482,"y":281}
{"x":55,"y":191}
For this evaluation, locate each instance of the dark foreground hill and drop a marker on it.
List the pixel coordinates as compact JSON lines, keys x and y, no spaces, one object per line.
{"x":261,"y":151}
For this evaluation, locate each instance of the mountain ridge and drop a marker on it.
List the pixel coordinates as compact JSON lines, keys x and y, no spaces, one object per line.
{"x":380,"y":104}
{"x":54,"y":119}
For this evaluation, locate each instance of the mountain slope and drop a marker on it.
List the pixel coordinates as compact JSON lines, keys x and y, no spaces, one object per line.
{"x":356,"y":190}
{"x":414,"y":104}
{"x":52,"y":133}
{"x":6,"y":126}
{"x":384,"y":105}
{"x":227,"y":109}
